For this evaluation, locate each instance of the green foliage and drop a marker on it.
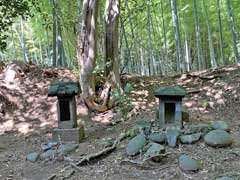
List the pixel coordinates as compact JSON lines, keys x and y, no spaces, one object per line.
{"x":122,"y":99}
{"x":9,"y":10}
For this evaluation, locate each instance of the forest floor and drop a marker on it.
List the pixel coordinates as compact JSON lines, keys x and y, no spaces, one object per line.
{"x":27,"y":117}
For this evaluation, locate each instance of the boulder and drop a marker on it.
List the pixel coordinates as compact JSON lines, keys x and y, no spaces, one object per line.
{"x":187,"y":164}
{"x":198,"y":128}
{"x":158,"y":137}
{"x":154,"y":150}
{"x":220,"y":125}
{"x":190,"y":139}
{"x":218,"y":138}
{"x":136,"y":144}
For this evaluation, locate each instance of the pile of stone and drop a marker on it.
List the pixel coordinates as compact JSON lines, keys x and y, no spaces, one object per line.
{"x":52,"y":150}
{"x":151,"y":141}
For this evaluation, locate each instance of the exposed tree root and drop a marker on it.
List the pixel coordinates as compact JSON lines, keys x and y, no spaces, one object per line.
{"x":103,"y":152}
{"x":204,"y":77}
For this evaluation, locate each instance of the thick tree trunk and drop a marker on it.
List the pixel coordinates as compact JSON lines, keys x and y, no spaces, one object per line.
{"x":111,"y":54}
{"x":86,"y":48}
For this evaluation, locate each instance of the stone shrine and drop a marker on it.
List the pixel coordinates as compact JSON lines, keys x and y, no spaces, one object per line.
{"x":169,"y":112}
{"x":68,"y":129}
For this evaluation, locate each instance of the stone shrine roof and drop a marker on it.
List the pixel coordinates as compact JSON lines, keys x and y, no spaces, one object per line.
{"x":60,"y":88}
{"x":170,"y":91}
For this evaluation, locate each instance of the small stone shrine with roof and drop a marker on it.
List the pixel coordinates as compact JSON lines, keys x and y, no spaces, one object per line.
{"x":68,"y":129}
{"x":169,"y":112}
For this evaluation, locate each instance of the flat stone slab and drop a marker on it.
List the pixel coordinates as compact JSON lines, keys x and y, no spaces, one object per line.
{"x":136,"y":144}
{"x":158,"y":137}
{"x":218,"y":138}
{"x":220,"y":125}
{"x":172,"y":136}
{"x":33,"y":157}
{"x":73,"y":135}
{"x":187,"y":164}
{"x":190,"y":139}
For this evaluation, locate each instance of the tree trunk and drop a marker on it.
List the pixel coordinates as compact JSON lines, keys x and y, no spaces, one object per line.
{"x":220,"y":33}
{"x":198,"y":37}
{"x":54,"y":30}
{"x":111,"y":54}
{"x":176,"y":35}
{"x":211,"y":48}
{"x":152,"y":62}
{"x":86,"y":48}
{"x":24,"y":54}
{"x":234,"y":34}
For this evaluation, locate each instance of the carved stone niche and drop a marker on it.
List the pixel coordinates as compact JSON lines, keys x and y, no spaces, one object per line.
{"x":68,"y":129}
{"x":169,"y":111}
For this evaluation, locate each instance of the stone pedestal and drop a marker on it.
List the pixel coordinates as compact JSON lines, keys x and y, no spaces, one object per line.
{"x":73,"y":135}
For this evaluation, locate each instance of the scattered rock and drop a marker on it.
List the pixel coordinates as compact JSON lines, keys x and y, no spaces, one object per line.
{"x":48,"y":154}
{"x":49,"y":145}
{"x":33,"y":157}
{"x":224,"y":178}
{"x":218,"y":138}
{"x":190,"y":139}
{"x":154,"y":150}
{"x":136,"y":144}
{"x":220,"y":125}
{"x":187,"y":164}
{"x":144,"y":125}
{"x":197,"y":128}
{"x":157,"y":137}
{"x":67,"y":148}
{"x":172,"y":135}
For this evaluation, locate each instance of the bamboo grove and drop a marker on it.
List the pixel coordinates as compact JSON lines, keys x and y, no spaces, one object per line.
{"x":157,"y":37}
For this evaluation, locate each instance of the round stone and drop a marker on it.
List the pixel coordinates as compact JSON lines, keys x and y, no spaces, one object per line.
{"x":218,"y":138}
{"x":136,"y":144}
{"x":190,"y":139}
{"x":220,"y":125}
{"x":33,"y":157}
{"x":157,"y":137}
{"x":186,"y":163}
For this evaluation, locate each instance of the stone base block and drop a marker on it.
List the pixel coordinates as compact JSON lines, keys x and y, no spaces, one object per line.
{"x":74,"y":135}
